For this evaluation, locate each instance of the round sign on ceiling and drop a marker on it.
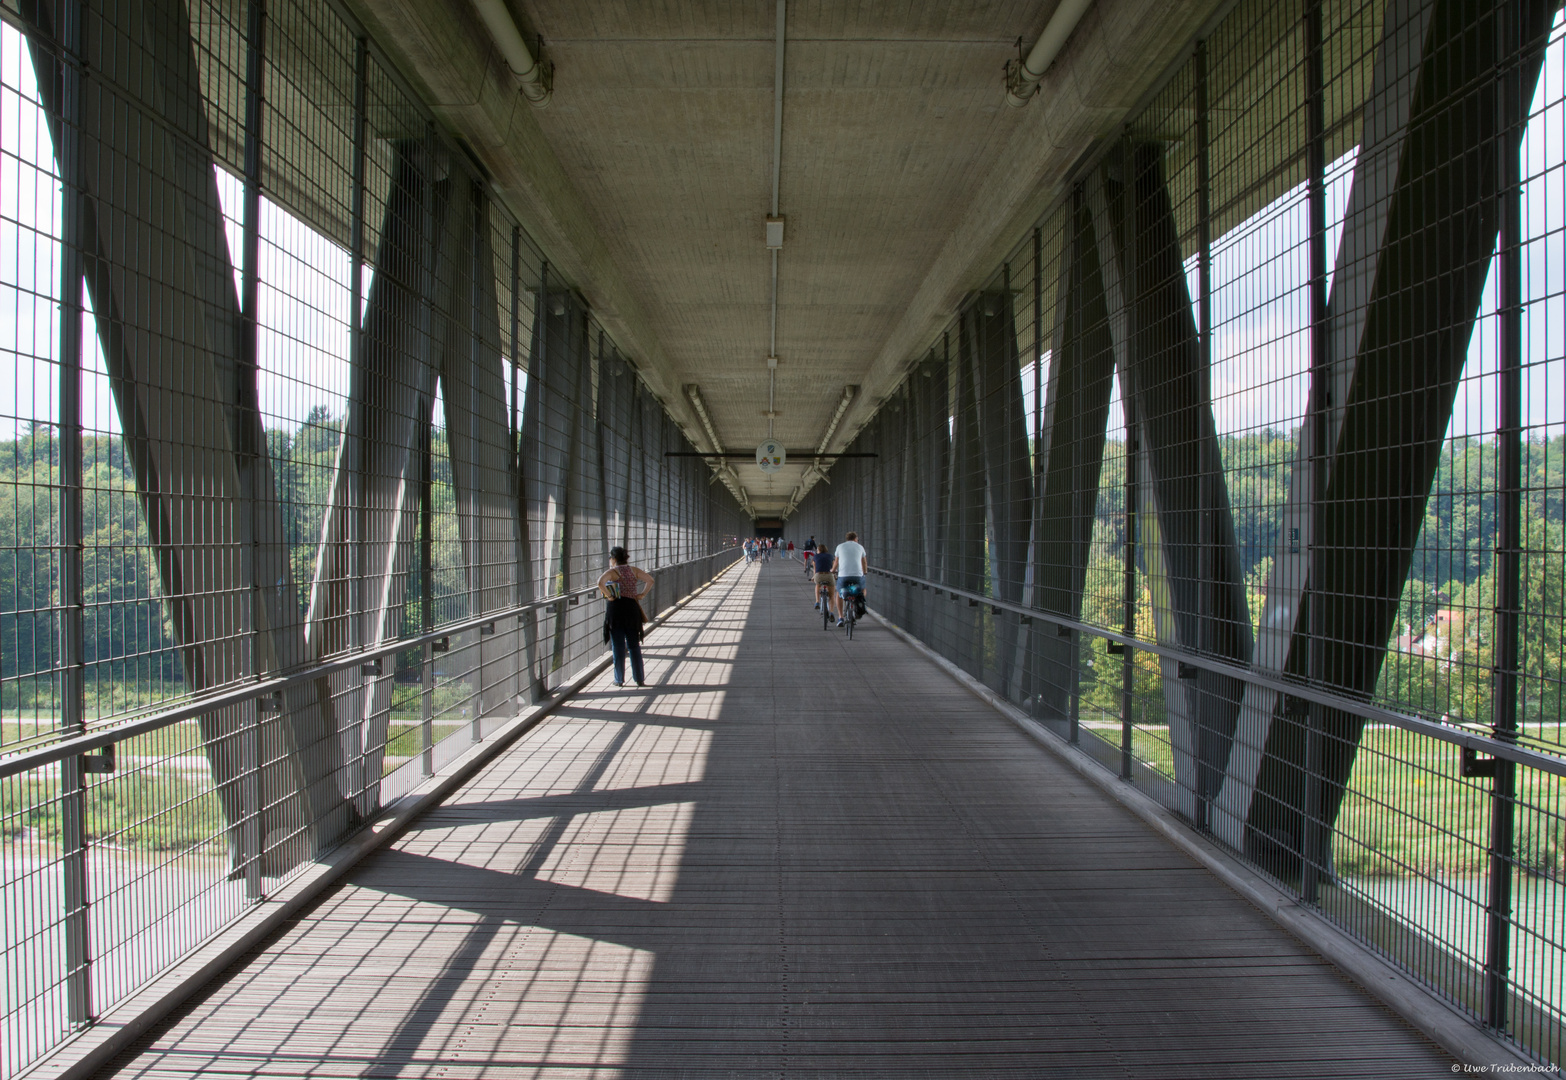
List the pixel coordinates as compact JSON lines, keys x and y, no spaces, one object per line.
{"x":770,"y":456}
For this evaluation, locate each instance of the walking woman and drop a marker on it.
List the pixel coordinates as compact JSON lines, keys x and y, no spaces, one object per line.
{"x":622,"y":585}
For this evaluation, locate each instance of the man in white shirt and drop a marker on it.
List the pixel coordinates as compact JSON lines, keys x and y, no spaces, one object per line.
{"x":849,"y":564}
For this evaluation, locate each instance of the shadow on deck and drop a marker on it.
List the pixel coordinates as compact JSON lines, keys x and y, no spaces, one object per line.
{"x":790,"y":855}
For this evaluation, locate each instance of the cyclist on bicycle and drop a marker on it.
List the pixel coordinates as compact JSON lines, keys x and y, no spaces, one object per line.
{"x":826,"y":588}
{"x":849,"y":564}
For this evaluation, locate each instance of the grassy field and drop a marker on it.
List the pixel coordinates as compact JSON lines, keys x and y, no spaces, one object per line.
{"x":160,"y":798}
{"x":141,"y":809}
{"x":403,"y":738}
{"x":1408,"y":810}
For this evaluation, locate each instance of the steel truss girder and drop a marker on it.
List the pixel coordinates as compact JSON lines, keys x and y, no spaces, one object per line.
{"x":962,"y":525}
{"x":928,"y":413}
{"x":988,"y":360}
{"x":893,"y":524}
{"x":552,"y":441}
{"x":1071,"y":453}
{"x":1419,"y":231}
{"x":584,"y":557}
{"x":431,"y":316}
{"x":1166,"y":389}
{"x":616,"y":450}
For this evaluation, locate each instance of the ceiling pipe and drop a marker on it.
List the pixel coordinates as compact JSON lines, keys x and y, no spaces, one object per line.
{"x":693,"y":392}
{"x":777,"y":172}
{"x":730,"y":477}
{"x":1023,"y":78}
{"x":777,"y":105}
{"x":842,"y":406}
{"x":815,"y":471}
{"x":508,"y":39}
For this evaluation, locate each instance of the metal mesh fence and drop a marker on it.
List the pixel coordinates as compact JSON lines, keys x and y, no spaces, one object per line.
{"x":1244,"y":473}
{"x":308,"y":465}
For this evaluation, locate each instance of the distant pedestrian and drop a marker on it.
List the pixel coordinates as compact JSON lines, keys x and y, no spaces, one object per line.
{"x":623,"y":586}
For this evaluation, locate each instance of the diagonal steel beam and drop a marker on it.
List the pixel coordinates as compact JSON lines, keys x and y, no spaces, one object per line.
{"x":1071,"y":454}
{"x":170,"y":327}
{"x":1163,"y":380}
{"x":989,"y":334}
{"x":1418,"y":236}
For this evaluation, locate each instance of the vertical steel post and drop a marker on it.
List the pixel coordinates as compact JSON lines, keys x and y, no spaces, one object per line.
{"x":536,"y":674}
{"x":1313,"y":842}
{"x":250,"y":359}
{"x":1128,"y":573}
{"x":512,"y":421}
{"x":598,"y":438}
{"x":1509,"y":540}
{"x":999,"y":513}
{"x":426,"y":591}
{"x":357,"y":513}
{"x":425,"y":275}
{"x":520,"y":651}
{"x":72,"y":659}
{"x":471,"y":511}
{"x":1128,"y":596}
{"x":1038,"y":361}
{"x":1206,"y":633}
{"x":1070,"y":254}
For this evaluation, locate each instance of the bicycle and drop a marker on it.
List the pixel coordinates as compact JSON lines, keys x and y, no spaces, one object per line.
{"x":853,"y":606}
{"x":824,"y":595}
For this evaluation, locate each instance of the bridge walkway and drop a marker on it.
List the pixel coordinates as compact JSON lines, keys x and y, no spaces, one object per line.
{"x":790,"y":855}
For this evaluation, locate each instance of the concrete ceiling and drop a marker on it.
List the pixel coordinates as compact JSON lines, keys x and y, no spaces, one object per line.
{"x":905,"y":177}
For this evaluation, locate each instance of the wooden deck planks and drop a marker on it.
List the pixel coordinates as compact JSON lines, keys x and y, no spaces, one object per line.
{"x":794,"y":856}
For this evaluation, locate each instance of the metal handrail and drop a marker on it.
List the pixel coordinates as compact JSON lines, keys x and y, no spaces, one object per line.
{"x":1461,"y":737}
{"x":196,"y":705}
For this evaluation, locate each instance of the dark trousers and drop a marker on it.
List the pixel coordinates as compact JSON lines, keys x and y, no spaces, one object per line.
{"x":627,"y":641}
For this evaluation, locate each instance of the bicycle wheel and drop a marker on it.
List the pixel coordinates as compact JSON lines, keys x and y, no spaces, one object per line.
{"x":849,"y":620}
{"x":826,"y":613}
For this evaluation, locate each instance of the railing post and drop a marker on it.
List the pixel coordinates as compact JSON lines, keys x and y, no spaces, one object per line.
{"x":1509,"y":539}
{"x":250,"y":837}
{"x":1313,"y":843}
{"x":72,"y":658}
